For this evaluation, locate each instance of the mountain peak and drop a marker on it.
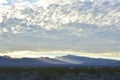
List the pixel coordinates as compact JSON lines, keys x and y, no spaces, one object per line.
{"x":67,"y":60}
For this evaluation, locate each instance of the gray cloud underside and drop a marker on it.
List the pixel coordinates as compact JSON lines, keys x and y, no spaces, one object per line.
{"x":76,"y":26}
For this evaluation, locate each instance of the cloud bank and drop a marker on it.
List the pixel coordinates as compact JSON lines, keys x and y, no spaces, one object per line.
{"x":91,"y":26}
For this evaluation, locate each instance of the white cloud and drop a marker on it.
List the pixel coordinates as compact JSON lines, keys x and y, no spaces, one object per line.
{"x":1,"y":19}
{"x":79,"y":26}
{"x":3,"y":1}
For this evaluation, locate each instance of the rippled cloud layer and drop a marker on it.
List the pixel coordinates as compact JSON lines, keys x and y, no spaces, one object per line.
{"x":91,"y":26}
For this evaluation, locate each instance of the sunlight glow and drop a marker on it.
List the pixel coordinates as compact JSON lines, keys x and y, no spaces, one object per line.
{"x":52,"y":54}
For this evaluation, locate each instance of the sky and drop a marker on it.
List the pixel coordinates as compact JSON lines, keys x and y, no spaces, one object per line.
{"x":34,"y":28}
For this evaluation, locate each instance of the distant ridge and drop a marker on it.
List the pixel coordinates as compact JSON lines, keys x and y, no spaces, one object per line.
{"x":68,"y":60}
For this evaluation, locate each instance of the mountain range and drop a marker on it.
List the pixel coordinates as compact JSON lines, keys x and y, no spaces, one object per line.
{"x":63,"y":61}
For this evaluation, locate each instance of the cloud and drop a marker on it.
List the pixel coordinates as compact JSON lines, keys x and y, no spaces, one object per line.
{"x":60,"y":25}
{"x":3,"y":1}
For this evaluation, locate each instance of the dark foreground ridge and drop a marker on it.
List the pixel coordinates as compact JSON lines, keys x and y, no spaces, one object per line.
{"x":63,"y":61}
{"x":84,"y":73}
